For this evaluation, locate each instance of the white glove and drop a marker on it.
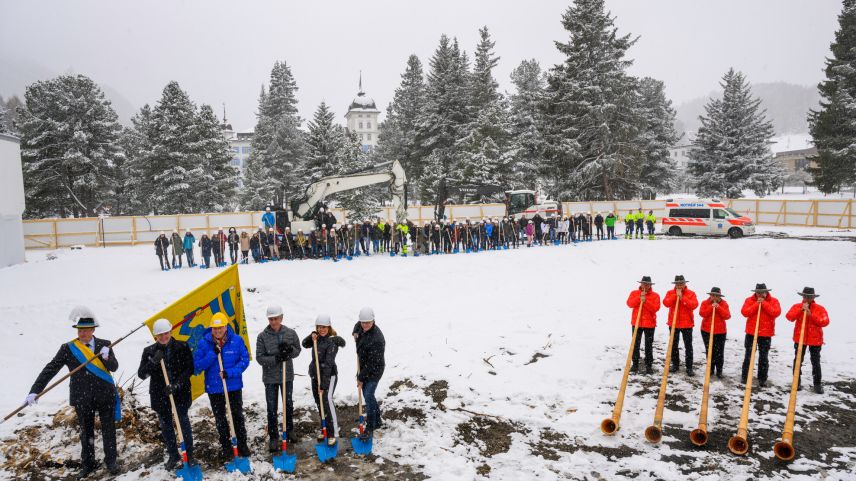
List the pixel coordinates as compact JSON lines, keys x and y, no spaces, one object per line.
{"x":32,"y":398}
{"x":105,"y":353}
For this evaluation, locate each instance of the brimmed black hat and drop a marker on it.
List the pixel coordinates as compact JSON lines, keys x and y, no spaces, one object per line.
{"x":715,"y":291}
{"x":678,"y":279}
{"x":646,"y":280}
{"x":85,"y":322}
{"x":761,"y":288}
{"x":808,"y":292}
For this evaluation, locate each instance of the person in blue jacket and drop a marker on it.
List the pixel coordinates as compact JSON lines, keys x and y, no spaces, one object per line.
{"x":221,"y":340}
{"x":189,"y":242}
{"x":268,"y":219}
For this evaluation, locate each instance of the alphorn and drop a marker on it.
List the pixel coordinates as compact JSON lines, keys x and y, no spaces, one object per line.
{"x":739,"y":444}
{"x":610,"y":425}
{"x":784,"y":449}
{"x":698,"y":436}
{"x":654,"y":432}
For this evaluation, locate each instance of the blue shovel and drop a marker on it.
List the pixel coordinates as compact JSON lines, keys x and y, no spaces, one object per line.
{"x":325,"y":452}
{"x":189,"y":472}
{"x":284,"y":462}
{"x":361,"y":444}
{"x":238,"y":463}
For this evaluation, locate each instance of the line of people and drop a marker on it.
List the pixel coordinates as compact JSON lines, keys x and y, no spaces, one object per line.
{"x":761,"y":305}
{"x":93,"y":390}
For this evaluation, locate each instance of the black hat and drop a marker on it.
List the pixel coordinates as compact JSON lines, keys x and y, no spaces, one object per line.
{"x":678,"y":279}
{"x":808,"y":292}
{"x":715,"y":291}
{"x":646,"y":280}
{"x":761,"y":288}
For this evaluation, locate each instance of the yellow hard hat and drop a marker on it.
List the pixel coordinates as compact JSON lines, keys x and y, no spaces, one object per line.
{"x":219,"y":320}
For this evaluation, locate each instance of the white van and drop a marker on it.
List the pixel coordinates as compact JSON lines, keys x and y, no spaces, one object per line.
{"x":709,"y":217}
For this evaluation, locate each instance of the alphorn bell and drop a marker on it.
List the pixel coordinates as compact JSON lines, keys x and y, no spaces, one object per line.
{"x":784,"y":449}
{"x":698,"y":436}
{"x":610,"y":425}
{"x":654,"y":432}
{"x":739,"y":444}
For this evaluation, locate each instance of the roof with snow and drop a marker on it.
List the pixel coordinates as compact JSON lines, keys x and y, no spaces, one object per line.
{"x":362,"y":102}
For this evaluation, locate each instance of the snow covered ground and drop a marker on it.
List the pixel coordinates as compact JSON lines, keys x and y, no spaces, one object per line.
{"x":500,"y":365}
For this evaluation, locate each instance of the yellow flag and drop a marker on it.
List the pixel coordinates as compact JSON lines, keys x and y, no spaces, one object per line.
{"x":191,"y":314}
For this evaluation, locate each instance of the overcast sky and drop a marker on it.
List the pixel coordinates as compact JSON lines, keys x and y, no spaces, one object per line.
{"x":222,"y":52}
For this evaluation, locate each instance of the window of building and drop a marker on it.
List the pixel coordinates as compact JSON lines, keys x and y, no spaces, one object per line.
{"x":236,"y":150}
{"x":368,"y":136}
{"x":236,"y":162}
{"x":362,"y":136}
{"x":361,"y":125}
{"x":368,"y":125}
{"x":801,"y":164}
{"x":359,"y":115}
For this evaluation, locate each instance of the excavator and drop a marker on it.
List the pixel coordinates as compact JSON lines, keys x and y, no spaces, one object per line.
{"x":305,"y":209}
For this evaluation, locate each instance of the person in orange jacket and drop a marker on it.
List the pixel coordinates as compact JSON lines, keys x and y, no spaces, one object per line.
{"x":714,"y":303}
{"x":650,"y":304}
{"x":770,"y":310}
{"x":816,"y":319}
{"x":684,"y":324}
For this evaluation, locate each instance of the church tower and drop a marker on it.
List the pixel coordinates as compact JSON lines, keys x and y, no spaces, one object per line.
{"x":361,"y":118}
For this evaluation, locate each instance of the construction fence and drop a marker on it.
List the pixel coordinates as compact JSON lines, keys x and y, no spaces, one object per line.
{"x":132,"y":230}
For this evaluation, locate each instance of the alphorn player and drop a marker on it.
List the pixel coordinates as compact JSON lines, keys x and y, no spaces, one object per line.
{"x":684,"y":323}
{"x":816,"y":319}
{"x":770,"y":310}
{"x":714,"y":303}
{"x":650,"y":304}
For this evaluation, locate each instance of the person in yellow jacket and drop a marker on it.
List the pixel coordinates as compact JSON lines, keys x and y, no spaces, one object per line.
{"x":640,"y":223}
{"x":403,"y":230}
{"x":650,"y":221}
{"x":629,"y":220}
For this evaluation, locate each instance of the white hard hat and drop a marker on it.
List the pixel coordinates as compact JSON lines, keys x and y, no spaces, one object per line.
{"x":162,"y":326}
{"x":80,"y":313}
{"x":322,"y":320}
{"x":274,"y":310}
{"x":366,"y":314}
{"x":161,"y":233}
{"x":267,"y":209}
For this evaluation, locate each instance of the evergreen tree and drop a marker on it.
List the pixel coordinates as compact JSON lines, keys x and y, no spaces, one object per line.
{"x":133,"y":191}
{"x":443,"y":122}
{"x":730,"y":153}
{"x":486,"y":159}
{"x":397,"y":138}
{"x":4,"y":114}
{"x":213,"y":152}
{"x":591,"y":117}
{"x":323,"y":144}
{"x":69,"y":135}
{"x":278,"y":150}
{"x":528,"y":145}
{"x":833,"y":126}
{"x":658,"y":136}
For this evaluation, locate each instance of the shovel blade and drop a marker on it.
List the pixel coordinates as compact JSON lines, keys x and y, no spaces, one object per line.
{"x":325,"y":452}
{"x":239,"y":464}
{"x":190,"y":472}
{"x":285,"y":462}
{"x":361,"y":447}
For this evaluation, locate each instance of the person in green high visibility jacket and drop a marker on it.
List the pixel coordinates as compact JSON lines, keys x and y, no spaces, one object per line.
{"x":650,"y":220}
{"x":640,"y":224}
{"x":609,"y":220}
{"x":629,"y":221}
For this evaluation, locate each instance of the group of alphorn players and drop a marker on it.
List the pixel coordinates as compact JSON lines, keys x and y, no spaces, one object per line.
{"x":760,"y":310}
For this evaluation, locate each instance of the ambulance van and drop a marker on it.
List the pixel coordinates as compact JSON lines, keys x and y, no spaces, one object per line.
{"x":707,"y":217}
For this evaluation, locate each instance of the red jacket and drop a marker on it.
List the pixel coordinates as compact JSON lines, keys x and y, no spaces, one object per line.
{"x":770,"y":310}
{"x":817,"y":320}
{"x":649,"y":310}
{"x":722,"y":314}
{"x":685,"y":311}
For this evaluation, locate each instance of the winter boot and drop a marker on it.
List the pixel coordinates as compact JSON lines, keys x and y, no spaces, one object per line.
{"x":172,"y":463}
{"x":273,"y":445}
{"x":634,"y":367}
{"x":818,"y":389}
{"x":649,"y":370}
{"x":690,"y":372}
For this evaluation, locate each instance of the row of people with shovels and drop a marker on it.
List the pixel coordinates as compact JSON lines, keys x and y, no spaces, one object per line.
{"x":222,"y":356}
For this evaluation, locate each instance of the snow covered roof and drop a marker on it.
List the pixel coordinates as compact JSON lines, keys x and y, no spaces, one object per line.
{"x":362,"y":102}
{"x":789,"y":142}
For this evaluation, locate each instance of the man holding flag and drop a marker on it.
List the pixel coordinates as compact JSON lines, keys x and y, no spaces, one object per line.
{"x":92,"y":390}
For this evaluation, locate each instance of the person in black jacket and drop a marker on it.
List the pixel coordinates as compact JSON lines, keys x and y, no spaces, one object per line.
{"x":162,"y":250}
{"x":328,"y":345}
{"x":370,"y":352}
{"x":276,"y":346}
{"x":233,"y":239}
{"x":91,"y":390}
{"x":205,"y":245}
{"x":178,"y":359}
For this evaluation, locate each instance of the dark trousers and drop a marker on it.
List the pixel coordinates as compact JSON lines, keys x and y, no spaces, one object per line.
{"x":206,"y":260}
{"x":167,"y":426}
{"x":718,"y":350}
{"x":236,"y":403}
{"x":86,"y":422}
{"x":233,"y":253}
{"x":329,"y":408}
{"x":272,"y":399}
{"x":174,"y":257}
{"x":687,"y":334}
{"x":610,"y":231}
{"x":650,"y":228}
{"x":763,"y":352}
{"x":640,"y":228}
{"x":189,"y":254}
{"x":164,"y":262}
{"x":648,"y":333}
{"x":814,"y":352}
{"x":599,"y":228}
{"x":372,"y":408}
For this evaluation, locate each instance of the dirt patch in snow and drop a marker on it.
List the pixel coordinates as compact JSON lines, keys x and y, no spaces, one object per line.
{"x":490,"y":436}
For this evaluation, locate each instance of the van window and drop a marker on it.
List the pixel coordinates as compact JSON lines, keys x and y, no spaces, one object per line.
{"x":690,"y":213}
{"x":733,"y":212}
{"x":719,"y":214}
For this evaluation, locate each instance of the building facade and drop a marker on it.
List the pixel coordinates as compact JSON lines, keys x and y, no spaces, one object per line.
{"x":11,"y":202}
{"x":794,"y":161}
{"x":362,"y":119}
{"x":239,"y":142}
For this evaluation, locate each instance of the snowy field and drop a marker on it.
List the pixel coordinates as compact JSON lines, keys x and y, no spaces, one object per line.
{"x":500,"y":365}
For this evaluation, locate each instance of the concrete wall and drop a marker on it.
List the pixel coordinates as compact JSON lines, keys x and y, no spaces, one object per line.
{"x":11,"y":202}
